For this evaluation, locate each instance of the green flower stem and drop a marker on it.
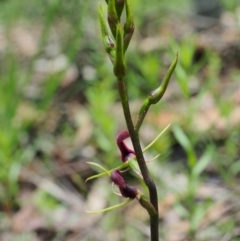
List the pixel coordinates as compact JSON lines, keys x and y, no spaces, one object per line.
{"x":140,"y":159}
{"x":142,"y":113}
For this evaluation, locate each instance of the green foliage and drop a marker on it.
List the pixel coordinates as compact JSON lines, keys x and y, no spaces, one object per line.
{"x":15,"y":151}
{"x":103,"y":92}
{"x":230,"y":5}
{"x":44,"y":201}
{"x":187,"y":209}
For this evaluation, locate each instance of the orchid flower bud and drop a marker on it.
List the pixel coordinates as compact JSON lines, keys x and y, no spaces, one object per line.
{"x":119,"y":7}
{"x":107,"y":41}
{"x":112,"y":17}
{"x":126,"y":153}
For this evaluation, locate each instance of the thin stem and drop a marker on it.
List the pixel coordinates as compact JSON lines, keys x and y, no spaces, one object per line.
{"x":142,"y":114}
{"x":140,"y":159}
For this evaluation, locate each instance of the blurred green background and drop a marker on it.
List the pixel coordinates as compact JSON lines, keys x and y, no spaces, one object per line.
{"x":59,"y":108}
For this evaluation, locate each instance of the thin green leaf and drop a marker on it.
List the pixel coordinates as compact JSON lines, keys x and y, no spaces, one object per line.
{"x":186,"y":144}
{"x":203,"y":161}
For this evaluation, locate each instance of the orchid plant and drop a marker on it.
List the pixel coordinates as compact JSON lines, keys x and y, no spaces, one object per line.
{"x":116,"y":45}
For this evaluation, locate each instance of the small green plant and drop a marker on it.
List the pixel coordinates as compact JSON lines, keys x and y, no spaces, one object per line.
{"x":195,"y":167}
{"x":116,"y":46}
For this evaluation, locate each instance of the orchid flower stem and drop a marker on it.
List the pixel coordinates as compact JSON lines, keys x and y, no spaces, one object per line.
{"x":140,"y":159}
{"x":142,"y":114}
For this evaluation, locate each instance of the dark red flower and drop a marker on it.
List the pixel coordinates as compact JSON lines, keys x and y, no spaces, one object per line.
{"x":126,"y":191}
{"x":126,"y":153}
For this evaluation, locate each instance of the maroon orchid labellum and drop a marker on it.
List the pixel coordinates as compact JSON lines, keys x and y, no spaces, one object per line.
{"x":126,"y":191}
{"x":126,"y":153}
{"x":117,"y":178}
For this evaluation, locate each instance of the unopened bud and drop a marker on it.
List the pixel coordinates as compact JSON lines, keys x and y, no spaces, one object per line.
{"x":119,"y":8}
{"x":112,"y":17}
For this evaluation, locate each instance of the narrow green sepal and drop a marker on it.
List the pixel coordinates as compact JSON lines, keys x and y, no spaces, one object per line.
{"x":119,"y":8}
{"x":99,"y":166}
{"x":129,"y":26}
{"x":108,"y":172}
{"x":145,"y":203}
{"x":159,"y":135}
{"x":157,"y":94}
{"x":111,"y":208}
{"x":119,"y":64}
{"x":95,"y":176}
{"x":107,"y":41}
{"x":112,"y":17}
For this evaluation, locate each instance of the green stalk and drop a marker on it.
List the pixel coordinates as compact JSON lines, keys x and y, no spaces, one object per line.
{"x":140,"y":159}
